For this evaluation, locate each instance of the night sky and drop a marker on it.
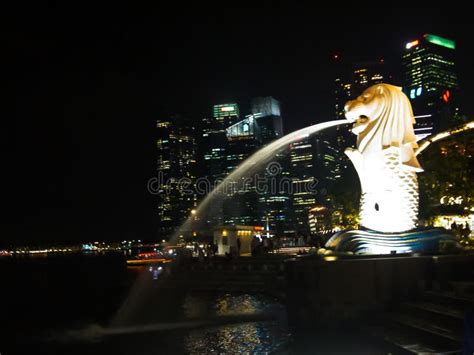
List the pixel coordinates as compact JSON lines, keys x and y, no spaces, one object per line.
{"x":89,"y":83}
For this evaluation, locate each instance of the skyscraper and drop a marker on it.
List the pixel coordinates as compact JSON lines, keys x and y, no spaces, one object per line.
{"x":229,"y":140}
{"x":302,"y":154}
{"x":214,"y":139}
{"x":266,"y":111}
{"x":243,"y":140}
{"x":274,"y":204}
{"x":215,"y":147}
{"x":176,"y":166}
{"x":314,"y":170}
{"x":431,"y":83}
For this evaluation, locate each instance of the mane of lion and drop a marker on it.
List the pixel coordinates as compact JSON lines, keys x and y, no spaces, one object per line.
{"x":392,"y":125}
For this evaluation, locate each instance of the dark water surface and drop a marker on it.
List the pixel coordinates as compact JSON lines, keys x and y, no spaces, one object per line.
{"x":89,"y":304}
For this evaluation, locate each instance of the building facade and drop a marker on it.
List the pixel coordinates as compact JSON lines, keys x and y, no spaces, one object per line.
{"x":266,"y":111}
{"x":431,"y":83}
{"x":214,"y":139}
{"x":176,"y":167}
{"x":241,"y":204}
{"x":229,"y":140}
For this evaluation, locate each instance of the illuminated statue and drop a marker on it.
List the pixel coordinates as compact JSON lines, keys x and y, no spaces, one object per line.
{"x":385,"y":158}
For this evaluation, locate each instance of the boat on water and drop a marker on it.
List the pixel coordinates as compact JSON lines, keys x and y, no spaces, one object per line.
{"x":148,"y":254}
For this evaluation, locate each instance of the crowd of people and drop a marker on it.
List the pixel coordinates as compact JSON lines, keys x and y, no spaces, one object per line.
{"x":462,"y":232}
{"x":260,"y":246}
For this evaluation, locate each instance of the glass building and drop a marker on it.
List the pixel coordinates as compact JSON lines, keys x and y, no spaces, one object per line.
{"x":214,"y":140}
{"x":431,"y":83}
{"x":303,"y":197}
{"x":214,"y":148}
{"x":315,"y":167}
{"x":274,"y":205}
{"x":176,"y":166}
{"x":266,"y":111}
{"x":229,"y":140}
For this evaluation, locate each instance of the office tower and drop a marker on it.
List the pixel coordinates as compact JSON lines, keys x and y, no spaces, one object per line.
{"x":214,"y":149}
{"x":176,"y":165}
{"x":315,"y":167}
{"x":328,"y":167}
{"x":243,"y":139}
{"x":431,"y":83}
{"x":229,"y":140}
{"x":214,"y":140}
{"x":275,"y":203}
{"x":304,"y":182}
{"x":266,"y":111}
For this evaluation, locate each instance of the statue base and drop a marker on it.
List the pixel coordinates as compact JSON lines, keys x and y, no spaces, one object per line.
{"x":429,"y":241}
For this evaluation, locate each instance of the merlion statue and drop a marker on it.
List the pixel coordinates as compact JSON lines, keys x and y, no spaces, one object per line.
{"x":385,"y":158}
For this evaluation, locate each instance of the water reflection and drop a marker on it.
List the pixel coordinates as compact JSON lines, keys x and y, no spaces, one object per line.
{"x":155,"y":271}
{"x":254,"y":337}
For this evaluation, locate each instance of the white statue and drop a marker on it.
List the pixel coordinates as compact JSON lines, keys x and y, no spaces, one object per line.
{"x":385,"y":158}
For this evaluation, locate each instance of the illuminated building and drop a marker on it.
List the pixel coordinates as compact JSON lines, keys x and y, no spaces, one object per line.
{"x":176,"y":166}
{"x":243,"y":139}
{"x":431,"y":83}
{"x":275,"y":202}
{"x":266,"y":111}
{"x":303,"y":179}
{"x":328,"y":165}
{"x":247,"y":205}
{"x":228,"y":141}
{"x":273,"y":205}
{"x":214,"y":139}
{"x":315,"y":166}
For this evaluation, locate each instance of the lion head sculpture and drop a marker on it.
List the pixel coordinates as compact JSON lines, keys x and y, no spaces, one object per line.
{"x":383,"y":118}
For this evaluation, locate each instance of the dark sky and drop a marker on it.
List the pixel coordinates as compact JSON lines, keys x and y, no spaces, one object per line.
{"x":90,"y":81}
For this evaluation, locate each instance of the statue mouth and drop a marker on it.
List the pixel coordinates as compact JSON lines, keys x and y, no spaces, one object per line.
{"x":360,"y":124}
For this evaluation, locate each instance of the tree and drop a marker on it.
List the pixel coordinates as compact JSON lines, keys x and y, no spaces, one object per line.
{"x":447,"y":177}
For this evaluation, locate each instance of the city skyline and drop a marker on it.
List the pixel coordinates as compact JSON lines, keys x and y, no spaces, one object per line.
{"x":87,"y":160}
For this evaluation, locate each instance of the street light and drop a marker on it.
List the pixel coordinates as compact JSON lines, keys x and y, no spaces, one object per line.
{"x":193,"y":214}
